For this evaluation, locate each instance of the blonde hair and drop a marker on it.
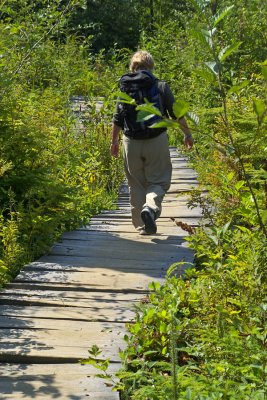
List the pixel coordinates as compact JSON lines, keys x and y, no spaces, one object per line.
{"x":141,"y":60}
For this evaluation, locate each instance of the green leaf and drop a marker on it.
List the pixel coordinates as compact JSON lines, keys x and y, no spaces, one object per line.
{"x":144,"y":116}
{"x":193,"y":117}
{"x":230,"y":176}
{"x":200,"y":35}
{"x":264,"y":69}
{"x":264,"y":72}
{"x":154,"y":285}
{"x":166,"y":123}
{"x":91,"y":361}
{"x":180,"y":108}
{"x":213,"y":66}
{"x":225,"y":227}
{"x":221,"y":15}
{"x":176,"y":267}
{"x":150,"y":352}
{"x":259,"y":107}
{"x":104,"y":376}
{"x":243,"y":229}
{"x":263,"y":306}
{"x":94,"y":350}
{"x":264,"y":216}
{"x":228,"y":50}
{"x":207,"y":36}
{"x":237,"y":88}
{"x":214,"y":239}
{"x":201,"y":4}
{"x":125,"y":98}
{"x":149,"y":108}
{"x":206,"y":74}
{"x":239,"y":185}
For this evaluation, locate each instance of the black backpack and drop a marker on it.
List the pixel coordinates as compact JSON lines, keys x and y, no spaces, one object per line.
{"x":140,"y":85}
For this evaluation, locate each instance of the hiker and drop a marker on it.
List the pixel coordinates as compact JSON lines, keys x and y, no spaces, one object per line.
{"x":146,"y":152}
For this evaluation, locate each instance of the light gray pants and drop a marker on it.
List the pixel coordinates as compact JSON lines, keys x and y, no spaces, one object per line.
{"x":148,"y":170}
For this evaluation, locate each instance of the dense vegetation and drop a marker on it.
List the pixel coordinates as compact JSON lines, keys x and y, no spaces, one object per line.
{"x":203,"y":336}
{"x":54,"y":176}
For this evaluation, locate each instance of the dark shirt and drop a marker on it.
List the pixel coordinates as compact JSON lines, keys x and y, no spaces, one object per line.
{"x":167,"y":99}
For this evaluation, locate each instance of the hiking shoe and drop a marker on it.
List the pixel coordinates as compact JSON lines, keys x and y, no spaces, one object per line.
{"x":148,"y":217}
{"x":143,"y":232}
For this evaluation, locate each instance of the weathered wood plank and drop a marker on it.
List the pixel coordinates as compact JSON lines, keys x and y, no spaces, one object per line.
{"x":24,"y":298}
{"x":93,"y":312}
{"x":80,"y":264}
{"x":98,"y":278}
{"x":78,"y":297}
{"x":165,"y":225}
{"x":122,"y":245}
{"x":54,"y":381}
{"x":145,"y":254}
{"x":73,"y":287}
{"x":95,"y":237}
{"x":68,"y":262}
{"x":32,"y":323}
{"x":37,"y":338}
{"x":182,"y":211}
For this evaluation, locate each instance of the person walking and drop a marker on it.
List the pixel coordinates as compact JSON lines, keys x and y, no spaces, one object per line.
{"x":146,"y":152}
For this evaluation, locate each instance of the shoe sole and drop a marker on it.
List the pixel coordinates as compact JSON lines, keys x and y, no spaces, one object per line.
{"x":150,"y":225}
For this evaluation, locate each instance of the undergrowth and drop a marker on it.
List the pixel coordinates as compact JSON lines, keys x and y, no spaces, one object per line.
{"x":55,"y":169}
{"x":203,"y":336}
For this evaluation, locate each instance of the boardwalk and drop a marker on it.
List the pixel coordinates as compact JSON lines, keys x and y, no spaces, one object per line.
{"x":81,"y":294}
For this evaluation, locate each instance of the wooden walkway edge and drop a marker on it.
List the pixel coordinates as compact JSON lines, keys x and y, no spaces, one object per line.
{"x":82,"y":293}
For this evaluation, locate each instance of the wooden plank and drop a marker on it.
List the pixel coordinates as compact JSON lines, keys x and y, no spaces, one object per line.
{"x":143,"y":254}
{"x":51,"y":381}
{"x":99,"y":278}
{"x":119,"y":265}
{"x":73,"y":287}
{"x":99,"y":237}
{"x":56,"y":340}
{"x":165,"y":227}
{"x":182,"y":211}
{"x":79,"y":298}
{"x":183,"y":187}
{"x":93,"y":236}
{"x":123,"y":244}
{"x":56,"y":346}
{"x":184,"y":172}
{"x":101,"y":223}
{"x":80,"y":264}
{"x":94,"y":312}
{"x":32,"y":323}
{"x":30,"y":298}
{"x":183,"y":179}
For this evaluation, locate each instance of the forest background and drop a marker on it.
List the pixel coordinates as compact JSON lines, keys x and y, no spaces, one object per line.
{"x":55,"y":174}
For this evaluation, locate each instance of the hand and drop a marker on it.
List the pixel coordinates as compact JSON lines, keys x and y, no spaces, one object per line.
{"x":114,"y":149}
{"x":188,"y":142}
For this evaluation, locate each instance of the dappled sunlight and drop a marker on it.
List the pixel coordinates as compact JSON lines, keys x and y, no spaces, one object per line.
{"x":82,"y":293}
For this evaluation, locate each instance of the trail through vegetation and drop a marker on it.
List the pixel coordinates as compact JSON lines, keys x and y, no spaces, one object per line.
{"x":202,"y":337}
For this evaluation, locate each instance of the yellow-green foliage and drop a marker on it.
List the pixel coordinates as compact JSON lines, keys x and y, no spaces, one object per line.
{"x":56,"y":170}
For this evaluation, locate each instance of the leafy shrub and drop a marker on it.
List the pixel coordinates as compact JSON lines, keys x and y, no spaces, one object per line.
{"x":55,"y":171}
{"x":204,"y":336}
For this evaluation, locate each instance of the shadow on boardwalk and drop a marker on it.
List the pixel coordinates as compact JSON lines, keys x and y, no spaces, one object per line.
{"x":81,"y":294}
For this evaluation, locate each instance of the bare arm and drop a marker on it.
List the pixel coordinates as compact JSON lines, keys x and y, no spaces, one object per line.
{"x":188,"y":139}
{"x":115,"y":133}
